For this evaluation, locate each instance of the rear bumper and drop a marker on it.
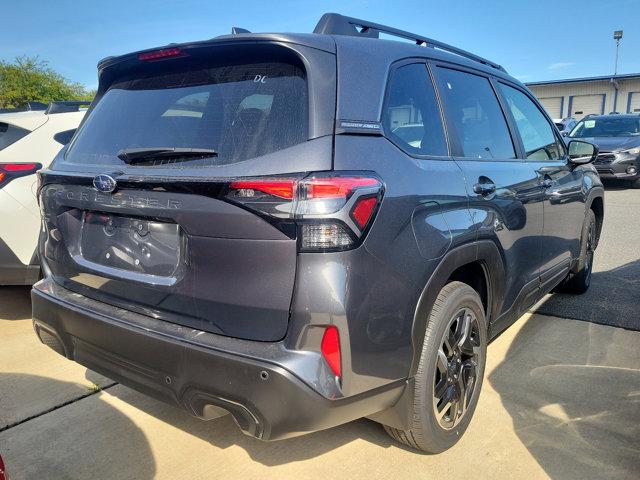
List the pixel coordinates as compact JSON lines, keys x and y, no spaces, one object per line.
{"x":266,"y":399}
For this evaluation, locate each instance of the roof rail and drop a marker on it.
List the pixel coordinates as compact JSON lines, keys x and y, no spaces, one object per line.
{"x":336,"y":24}
{"x":64,"y":107}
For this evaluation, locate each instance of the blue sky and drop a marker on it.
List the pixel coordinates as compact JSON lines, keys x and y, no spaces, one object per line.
{"x":534,"y":40}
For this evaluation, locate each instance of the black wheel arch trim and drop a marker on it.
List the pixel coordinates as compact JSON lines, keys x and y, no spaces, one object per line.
{"x":593,"y":194}
{"x":484,"y":252}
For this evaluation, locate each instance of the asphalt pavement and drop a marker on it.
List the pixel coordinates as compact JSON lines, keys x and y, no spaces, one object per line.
{"x":614,"y":295}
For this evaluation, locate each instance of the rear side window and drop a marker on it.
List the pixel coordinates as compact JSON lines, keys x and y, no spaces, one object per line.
{"x":475,"y":115}
{"x":538,"y":139}
{"x":10,"y":134}
{"x":411,"y":116}
{"x":241,"y":111}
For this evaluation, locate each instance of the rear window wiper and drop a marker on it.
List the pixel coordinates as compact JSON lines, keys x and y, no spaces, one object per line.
{"x":135,"y":155}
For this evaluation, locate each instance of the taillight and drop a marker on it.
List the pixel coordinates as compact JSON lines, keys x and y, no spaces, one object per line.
{"x":9,"y":171}
{"x":277,"y":188}
{"x":161,"y":54}
{"x":3,"y":473}
{"x":330,"y":348}
{"x":331,"y":210}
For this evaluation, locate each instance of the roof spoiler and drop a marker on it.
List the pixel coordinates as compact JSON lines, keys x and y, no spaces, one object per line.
{"x":64,"y":107}
{"x":28,"y":107}
{"x":336,"y":24}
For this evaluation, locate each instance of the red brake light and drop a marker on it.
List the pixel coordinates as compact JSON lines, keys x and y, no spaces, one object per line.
{"x":159,"y":54}
{"x":330,"y":348}
{"x":2,"y":470}
{"x":18,"y":167}
{"x":9,"y":171}
{"x":278,"y":188}
{"x":361,"y":213}
{"x":337,"y":186}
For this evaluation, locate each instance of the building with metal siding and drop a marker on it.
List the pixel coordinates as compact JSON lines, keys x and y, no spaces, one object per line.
{"x":577,"y":97}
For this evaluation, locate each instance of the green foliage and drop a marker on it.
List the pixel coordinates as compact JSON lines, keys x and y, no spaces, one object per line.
{"x":31,"y":79}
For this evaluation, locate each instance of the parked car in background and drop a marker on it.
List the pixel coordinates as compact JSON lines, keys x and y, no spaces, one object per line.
{"x":242,"y":225}
{"x":565,"y":125}
{"x":29,"y":140}
{"x":618,"y":137}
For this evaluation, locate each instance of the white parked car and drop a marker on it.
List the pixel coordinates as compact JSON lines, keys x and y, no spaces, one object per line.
{"x":29,"y":140}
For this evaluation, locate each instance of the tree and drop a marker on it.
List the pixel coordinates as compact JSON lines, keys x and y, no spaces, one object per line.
{"x":31,"y":79}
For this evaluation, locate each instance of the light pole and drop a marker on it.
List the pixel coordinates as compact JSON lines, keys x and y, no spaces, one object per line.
{"x":617,"y":36}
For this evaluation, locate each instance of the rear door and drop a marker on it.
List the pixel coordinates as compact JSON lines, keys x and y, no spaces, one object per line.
{"x":506,"y":201}
{"x":563,"y":193}
{"x":178,"y":237}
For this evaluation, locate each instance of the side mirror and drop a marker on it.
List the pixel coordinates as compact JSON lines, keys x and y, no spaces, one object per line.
{"x":581,"y":153}
{"x":64,"y":137}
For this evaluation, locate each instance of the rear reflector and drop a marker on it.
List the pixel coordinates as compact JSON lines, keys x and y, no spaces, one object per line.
{"x":330,"y":349}
{"x":160,"y":54}
{"x":361,"y":213}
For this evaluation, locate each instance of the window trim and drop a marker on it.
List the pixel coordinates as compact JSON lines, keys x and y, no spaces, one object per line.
{"x":387,"y":90}
{"x":456,"y":146}
{"x":537,"y":104}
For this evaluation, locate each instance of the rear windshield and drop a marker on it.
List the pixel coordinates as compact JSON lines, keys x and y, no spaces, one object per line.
{"x":607,"y":127}
{"x":240,"y":111}
{"x":10,"y":134}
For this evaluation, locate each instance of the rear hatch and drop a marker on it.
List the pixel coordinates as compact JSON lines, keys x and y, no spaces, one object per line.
{"x":182,"y":235}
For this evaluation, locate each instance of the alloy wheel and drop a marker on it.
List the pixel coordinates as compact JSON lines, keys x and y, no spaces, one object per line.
{"x":457,"y":367}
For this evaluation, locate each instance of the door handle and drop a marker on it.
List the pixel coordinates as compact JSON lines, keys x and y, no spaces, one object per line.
{"x":484,"y":188}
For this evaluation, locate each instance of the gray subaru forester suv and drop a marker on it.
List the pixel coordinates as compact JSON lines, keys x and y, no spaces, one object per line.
{"x":306,"y":229}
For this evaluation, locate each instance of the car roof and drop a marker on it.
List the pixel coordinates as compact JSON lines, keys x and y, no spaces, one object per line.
{"x":372,"y":48}
{"x":32,"y":119}
{"x":615,"y":115}
{"x":28,"y":120}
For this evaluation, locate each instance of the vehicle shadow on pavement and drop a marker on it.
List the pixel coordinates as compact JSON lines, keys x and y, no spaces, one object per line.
{"x":223,"y":433}
{"x":15,"y":303}
{"x":612,"y":299}
{"x":572,"y":389}
{"x":72,"y":441}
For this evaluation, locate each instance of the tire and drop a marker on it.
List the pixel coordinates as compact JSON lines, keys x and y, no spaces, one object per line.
{"x":578,"y":282}
{"x":456,"y":303}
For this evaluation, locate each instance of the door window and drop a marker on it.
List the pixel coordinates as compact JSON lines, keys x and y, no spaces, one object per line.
{"x":475,"y":115}
{"x":411,"y":116}
{"x":538,"y":139}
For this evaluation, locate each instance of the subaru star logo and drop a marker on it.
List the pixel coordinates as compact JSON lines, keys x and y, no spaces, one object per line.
{"x":104,"y":183}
